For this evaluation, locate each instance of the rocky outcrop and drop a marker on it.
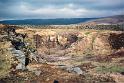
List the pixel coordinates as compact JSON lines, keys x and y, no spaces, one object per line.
{"x":20,"y":56}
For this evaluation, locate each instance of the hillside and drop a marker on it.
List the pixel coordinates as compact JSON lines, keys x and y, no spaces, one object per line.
{"x":117,"y":19}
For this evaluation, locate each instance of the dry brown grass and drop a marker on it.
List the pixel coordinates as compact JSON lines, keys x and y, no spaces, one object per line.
{"x":95,"y":41}
{"x":5,"y":59}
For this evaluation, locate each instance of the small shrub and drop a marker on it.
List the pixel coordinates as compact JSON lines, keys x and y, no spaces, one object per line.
{"x":87,"y":33}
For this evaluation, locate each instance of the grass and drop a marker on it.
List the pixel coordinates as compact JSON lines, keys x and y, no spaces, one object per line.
{"x":94,"y":38}
{"x":87,"y":33}
{"x":5,"y":60}
{"x":111,"y":69}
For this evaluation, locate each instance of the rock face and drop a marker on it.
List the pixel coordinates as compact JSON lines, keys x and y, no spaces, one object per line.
{"x":19,"y":49}
{"x":116,"y":40}
{"x":20,"y":57}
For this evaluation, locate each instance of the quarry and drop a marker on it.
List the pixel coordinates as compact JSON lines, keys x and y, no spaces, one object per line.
{"x":61,"y":55}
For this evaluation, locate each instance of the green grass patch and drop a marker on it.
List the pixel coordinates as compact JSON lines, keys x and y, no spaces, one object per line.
{"x":87,"y":33}
{"x":110,"y":69}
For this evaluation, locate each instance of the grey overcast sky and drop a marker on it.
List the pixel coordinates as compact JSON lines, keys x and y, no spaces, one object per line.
{"x":37,"y":9}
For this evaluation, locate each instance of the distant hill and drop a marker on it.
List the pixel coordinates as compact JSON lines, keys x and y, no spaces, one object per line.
{"x":117,"y":19}
{"x":62,"y":21}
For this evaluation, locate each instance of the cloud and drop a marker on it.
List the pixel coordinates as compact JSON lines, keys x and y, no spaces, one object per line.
{"x":24,"y":9}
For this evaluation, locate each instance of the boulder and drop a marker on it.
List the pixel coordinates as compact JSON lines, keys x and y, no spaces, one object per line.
{"x":71,"y":69}
{"x":76,"y":70}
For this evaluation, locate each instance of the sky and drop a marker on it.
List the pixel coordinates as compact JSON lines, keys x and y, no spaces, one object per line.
{"x":47,"y":9}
